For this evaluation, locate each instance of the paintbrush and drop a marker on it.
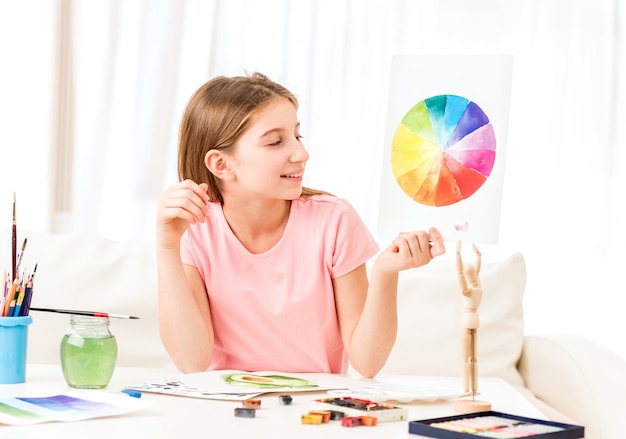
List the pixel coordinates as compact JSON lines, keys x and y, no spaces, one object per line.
{"x":14,"y":242}
{"x":19,"y":259}
{"x":85,"y":313}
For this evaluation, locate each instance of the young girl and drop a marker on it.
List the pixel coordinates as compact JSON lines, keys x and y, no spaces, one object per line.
{"x":257,"y":272}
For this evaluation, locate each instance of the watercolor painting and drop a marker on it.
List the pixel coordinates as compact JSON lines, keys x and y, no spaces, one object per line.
{"x":443,"y":150}
{"x":445,"y":145}
{"x":73,"y":406}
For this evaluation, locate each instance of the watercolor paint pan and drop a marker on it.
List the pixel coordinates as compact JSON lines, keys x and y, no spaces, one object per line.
{"x":491,"y":424}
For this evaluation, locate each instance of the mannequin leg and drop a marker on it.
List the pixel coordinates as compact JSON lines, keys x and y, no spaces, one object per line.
{"x":470,"y":376}
{"x":472,"y":362}
{"x":466,"y":346}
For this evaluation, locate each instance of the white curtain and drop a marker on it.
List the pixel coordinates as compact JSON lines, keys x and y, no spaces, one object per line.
{"x":135,"y":63}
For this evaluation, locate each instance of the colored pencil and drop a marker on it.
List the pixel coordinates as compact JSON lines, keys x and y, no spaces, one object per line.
{"x":9,"y":298}
{"x":29,"y":293}
{"x":5,"y":289}
{"x":84,"y":313}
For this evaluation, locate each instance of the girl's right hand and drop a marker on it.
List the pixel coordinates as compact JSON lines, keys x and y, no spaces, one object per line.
{"x":178,"y":206}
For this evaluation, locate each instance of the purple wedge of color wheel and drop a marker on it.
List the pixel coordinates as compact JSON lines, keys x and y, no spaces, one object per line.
{"x":472,"y":119}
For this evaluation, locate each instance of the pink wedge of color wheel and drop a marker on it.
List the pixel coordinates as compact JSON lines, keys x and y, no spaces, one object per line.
{"x":443,"y":150}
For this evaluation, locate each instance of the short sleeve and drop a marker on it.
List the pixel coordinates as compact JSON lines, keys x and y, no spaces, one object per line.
{"x":186,"y":255}
{"x":354,"y":244}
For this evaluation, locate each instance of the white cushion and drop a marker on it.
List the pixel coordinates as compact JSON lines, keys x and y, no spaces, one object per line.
{"x":86,"y":272}
{"x":429,"y":312}
{"x":585,"y":380}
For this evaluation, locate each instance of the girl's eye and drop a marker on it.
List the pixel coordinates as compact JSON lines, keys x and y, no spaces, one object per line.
{"x":280,"y":141}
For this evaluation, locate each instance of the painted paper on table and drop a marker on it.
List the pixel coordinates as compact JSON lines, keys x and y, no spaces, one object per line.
{"x":236,"y":385}
{"x":77,"y":405}
{"x":445,"y":144}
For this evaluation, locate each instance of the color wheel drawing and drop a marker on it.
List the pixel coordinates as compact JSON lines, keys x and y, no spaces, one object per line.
{"x":443,"y":150}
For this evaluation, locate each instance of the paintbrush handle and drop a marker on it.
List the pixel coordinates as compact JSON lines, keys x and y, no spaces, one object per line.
{"x":84,"y":313}
{"x":14,"y":252}
{"x":14,"y":243}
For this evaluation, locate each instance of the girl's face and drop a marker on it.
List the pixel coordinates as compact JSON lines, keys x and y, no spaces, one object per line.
{"x":269,"y":159}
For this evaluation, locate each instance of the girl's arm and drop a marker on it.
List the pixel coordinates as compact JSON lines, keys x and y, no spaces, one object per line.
{"x":184,"y":316}
{"x":367,"y":318}
{"x":368,"y":311}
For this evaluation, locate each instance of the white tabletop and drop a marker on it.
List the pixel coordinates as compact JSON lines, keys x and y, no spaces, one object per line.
{"x":183,"y":417}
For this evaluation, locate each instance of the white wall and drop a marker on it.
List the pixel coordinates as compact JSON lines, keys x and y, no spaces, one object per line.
{"x":563,"y":202}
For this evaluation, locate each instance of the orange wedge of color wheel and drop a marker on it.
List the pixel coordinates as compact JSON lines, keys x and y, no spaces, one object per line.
{"x":443,"y":150}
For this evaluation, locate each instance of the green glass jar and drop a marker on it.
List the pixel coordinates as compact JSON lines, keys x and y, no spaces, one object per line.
{"x":88,"y":352}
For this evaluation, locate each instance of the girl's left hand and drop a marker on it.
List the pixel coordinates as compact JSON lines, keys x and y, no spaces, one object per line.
{"x":411,"y":250}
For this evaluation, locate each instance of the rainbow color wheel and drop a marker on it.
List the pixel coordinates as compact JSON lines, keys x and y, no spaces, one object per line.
{"x":443,"y":150}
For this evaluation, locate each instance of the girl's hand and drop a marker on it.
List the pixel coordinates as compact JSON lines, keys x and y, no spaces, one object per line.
{"x":178,"y":206}
{"x":411,"y":250}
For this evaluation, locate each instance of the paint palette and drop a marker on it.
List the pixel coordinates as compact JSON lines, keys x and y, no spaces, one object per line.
{"x":493,"y":424}
{"x":443,"y":150}
{"x":361,"y":407}
{"x":403,"y":395}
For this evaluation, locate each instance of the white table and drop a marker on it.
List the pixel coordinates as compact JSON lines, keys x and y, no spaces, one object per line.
{"x":183,"y":417}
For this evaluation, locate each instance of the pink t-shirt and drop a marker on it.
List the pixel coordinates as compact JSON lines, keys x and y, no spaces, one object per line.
{"x":276,"y":310}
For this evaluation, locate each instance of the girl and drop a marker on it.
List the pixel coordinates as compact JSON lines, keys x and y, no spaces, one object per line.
{"x":257,"y":272}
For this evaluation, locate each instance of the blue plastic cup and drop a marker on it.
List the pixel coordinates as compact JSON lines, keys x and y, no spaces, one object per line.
{"x":13,"y":346}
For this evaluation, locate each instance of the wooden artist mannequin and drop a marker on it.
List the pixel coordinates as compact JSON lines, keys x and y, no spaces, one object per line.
{"x":472,"y":291}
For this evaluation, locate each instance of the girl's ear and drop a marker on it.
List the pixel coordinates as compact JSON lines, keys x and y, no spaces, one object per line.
{"x":217,"y":163}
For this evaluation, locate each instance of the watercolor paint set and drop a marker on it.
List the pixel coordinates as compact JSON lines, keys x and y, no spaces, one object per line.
{"x":361,"y":407}
{"x":492,"y":424}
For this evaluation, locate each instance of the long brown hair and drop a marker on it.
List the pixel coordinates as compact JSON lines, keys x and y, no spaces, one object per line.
{"x":216,"y":116}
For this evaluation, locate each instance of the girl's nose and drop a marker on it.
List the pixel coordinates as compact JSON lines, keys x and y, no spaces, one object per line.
{"x":299,"y":154}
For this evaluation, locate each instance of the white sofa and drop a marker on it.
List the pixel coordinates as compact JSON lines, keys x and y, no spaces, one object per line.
{"x":568,"y":377}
